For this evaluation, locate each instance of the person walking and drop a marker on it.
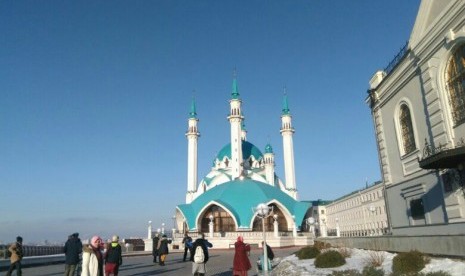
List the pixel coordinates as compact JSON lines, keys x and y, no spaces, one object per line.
{"x":241,"y":263}
{"x":155,"y":240}
{"x":163,"y":249}
{"x":113,"y":257}
{"x":187,"y":241}
{"x":199,"y":256}
{"x":16,"y":250}
{"x":72,"y":249}
{"x":92,"y":259}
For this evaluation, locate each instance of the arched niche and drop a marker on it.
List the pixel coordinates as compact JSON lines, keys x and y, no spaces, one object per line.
{"x":222,"y":220}
{"x":282,"y":222}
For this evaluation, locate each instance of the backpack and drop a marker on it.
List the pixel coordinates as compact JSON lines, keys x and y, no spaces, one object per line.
{"x":199,"y":256}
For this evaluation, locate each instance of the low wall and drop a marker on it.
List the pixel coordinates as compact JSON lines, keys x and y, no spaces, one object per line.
{"x":452,"y":245}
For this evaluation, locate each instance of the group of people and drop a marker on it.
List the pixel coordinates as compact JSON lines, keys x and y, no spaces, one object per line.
{"x":198,"y":252}
{"x":98,"y":259}
{"x":241,"y":263}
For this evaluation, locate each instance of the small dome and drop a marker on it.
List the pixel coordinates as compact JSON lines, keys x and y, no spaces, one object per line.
{"x":268,"y":148}
{"x":248,"y":149}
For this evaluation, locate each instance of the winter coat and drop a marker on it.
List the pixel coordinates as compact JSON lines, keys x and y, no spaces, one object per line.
{"x":92,"y":262}
{"x":204,"y":244}
{"x":72,"y":249}
{"x":155,"y":246}
{"x":16,"y":250}
{"x":241,"y":260}
{"x":163,"y":246}
{"x":113,"y":254}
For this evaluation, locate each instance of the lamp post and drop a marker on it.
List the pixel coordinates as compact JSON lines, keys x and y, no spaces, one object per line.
{"x":163,"y":228}
{"x":323,"y":228}
{"x":174,"y":222}
{"x":372,"y":209}
{"x":149,"y":230}
{"x":275,"y":225}
{"x":210,"y":225}
{"x":263,"y":211}
{"x":311,"y":221}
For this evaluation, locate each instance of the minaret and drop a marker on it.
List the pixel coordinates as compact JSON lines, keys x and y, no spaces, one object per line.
{"x":235,"y":119}
{"x":269,"y":164}
{"x":288,"y":148}
{"x":192,"y":135}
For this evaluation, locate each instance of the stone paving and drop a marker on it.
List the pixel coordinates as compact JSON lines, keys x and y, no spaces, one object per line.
{"x":219,"y":264}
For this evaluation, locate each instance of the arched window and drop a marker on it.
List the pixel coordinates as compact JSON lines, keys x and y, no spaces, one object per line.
{"x":408,"y":138}
{"x":455,"y":84}
{"x":222,"y":221}
{"x":282,"y":223}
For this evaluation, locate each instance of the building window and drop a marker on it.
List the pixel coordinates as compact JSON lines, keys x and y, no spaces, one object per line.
{"x":408,"y":138}
{"x":417,"y":210}
{"x":455,"y":84}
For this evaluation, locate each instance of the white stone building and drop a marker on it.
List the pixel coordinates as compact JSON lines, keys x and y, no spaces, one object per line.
{"x":418,"y":110}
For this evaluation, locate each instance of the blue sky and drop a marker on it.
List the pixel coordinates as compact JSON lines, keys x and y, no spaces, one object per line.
{"x":95,"y":98}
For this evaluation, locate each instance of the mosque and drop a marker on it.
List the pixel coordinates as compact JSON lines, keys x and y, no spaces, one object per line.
{"x":223,"y":203}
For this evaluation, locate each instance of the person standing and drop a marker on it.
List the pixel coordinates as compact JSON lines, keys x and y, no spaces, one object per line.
{"x":72,"y":249}
{"x":199,"y":267}
{"x":92,"y":259}
{"x":163,"y":249}
{"x":241,"y":263}
{"x":155,"y":247}
{"x":113,"y":257}
{"x":16,"y":250}
{"x":187,"y":241}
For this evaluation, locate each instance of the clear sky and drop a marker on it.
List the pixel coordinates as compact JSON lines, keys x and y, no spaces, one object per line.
{"x":95,"y":97}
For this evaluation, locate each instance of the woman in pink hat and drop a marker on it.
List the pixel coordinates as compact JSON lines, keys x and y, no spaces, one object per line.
{"x":92,"y":258}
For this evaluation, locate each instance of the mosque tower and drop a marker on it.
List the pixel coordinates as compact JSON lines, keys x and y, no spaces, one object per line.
{"x":288,"y":148}
{"x":269,"y":164}
{"x":192,"y":135}
{"x":235,"y":118}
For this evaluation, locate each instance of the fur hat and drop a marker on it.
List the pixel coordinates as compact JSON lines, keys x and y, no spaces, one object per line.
{"x":115,"y":238}
{"x":95,"y":241}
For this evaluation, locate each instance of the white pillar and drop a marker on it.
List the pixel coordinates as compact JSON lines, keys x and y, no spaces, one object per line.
{"x":235,"y":119}
{"x":338,"y":230}
{"x":323,"y":228}
{"x":287,"y":132}
{"x":149,"y":230}
{"x":294,"y":228}
{"x":275,"y":226}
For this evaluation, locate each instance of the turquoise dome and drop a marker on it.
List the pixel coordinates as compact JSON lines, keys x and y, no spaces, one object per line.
{"x":248,"y":149}
{"x":239,"y":197}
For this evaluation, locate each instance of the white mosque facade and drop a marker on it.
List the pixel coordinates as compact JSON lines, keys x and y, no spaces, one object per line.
{"x":222,"y":203}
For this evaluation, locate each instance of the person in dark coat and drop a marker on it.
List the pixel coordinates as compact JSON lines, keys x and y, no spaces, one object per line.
{"x":155,"y":248}
{"x":163,"y":249}
{"x":113,"y":257}
{"x":200,"y":269}
{"x":241,"y":263}
{"x":16,"y":250}
{"x":72,"y":250}
{"x":187,"y":241}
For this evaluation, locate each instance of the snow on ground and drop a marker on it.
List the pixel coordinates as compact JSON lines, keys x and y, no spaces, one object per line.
{"x":293,"y":266}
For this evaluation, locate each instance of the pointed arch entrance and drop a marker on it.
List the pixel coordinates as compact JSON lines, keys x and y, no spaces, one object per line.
{"x":282,"y":222}
{"x":222,"y":221}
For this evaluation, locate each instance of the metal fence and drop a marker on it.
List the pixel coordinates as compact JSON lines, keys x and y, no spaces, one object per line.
{"x":33,"y":250}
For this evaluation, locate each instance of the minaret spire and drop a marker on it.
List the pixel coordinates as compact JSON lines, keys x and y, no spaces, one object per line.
{"x":235,"y":119}
{"x":192,"y":135}
{"x":287,"y":131}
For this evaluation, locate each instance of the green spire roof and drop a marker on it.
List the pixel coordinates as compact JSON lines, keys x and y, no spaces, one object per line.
{"x":235,"y":90}
{"x":268,"y":148}
{"x":193,"y":113}
{"x":286,"y":110}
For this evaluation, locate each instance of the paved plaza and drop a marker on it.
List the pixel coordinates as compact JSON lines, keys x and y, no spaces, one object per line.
{"x":220,"y":264}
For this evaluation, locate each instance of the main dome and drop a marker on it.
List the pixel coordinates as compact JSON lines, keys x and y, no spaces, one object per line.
{"x":248,"y":149}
